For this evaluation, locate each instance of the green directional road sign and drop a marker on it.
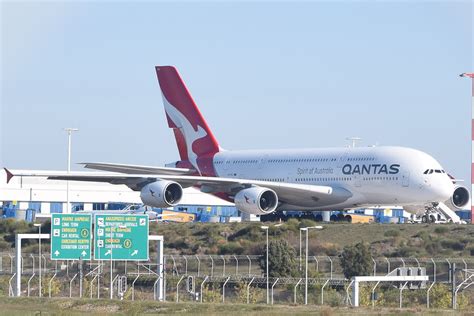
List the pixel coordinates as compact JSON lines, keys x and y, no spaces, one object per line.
{"x":71,"y":236}
{"x":121,"y":237}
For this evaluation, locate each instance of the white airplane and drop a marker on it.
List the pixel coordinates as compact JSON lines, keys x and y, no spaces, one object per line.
{"x":264,"y":181}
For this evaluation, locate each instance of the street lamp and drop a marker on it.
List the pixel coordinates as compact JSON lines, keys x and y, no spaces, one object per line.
{"x":39,"y":254}
{"x":306,"y":264}
{"x":268,"y":284}
{"x":69,"y":131}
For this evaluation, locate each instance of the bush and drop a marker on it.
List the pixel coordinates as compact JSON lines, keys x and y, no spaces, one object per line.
{"x":281,"y":259}
{"x":356,"y":260}
{"x":441,"y":230}
{"x":453,"y":244}
{"x":231,"y":248}
{"x":392,"y":233}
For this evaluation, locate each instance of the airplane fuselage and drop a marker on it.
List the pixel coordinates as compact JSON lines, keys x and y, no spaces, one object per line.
{"x":372,"y":175}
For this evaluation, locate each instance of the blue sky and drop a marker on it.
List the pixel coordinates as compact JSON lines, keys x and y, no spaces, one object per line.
{"x":265,"y":75}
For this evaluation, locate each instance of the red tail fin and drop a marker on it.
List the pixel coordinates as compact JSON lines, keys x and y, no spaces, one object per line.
{"x":195,"y":141}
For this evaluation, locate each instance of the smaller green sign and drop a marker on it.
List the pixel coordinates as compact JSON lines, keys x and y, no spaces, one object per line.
{"x":71,"y":236}
{"x":121,"y":237}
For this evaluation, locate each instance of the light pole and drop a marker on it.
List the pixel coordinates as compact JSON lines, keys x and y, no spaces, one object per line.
{"x":300,"y":247}
{"x":306,"y":264}
{"x":471,"y":75}
{"x":39,"y":254}
{"x":69,"y":131}
{"x":268,"y":284}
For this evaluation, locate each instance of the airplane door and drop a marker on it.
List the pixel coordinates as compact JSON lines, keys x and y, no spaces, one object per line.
{"x":405,"y":179}
{"x":357,"y":182}
{"x":263,"y":161}
{"x":342,"y":160}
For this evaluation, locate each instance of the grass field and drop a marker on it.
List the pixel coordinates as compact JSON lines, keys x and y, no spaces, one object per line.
{"x":35,"y":306}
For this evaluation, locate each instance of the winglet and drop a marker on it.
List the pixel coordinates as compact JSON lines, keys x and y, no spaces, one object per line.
{"x":9,"y":174}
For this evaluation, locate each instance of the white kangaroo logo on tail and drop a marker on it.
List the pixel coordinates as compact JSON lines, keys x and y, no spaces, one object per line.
{"x":190,"y":135}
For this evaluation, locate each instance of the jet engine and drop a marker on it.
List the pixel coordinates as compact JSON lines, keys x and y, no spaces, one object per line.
{"x":459,"y":199}
{"x":161,"y":193}
{"x":256,"y":200}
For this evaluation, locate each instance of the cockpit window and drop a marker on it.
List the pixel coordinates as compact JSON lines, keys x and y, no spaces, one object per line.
{"x":430,"y":171}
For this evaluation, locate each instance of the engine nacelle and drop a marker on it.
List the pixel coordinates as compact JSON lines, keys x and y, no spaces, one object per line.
{"x":459,"y":199}
{"x":161,"y":193}
{"x":256,"y":200}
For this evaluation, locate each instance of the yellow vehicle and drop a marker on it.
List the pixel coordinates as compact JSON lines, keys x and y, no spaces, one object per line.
{"x":177,"y":217}
{"x":360,"y":218}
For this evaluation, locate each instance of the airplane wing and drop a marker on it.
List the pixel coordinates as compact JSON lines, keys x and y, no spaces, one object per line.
{"x":290,"y":193}
{"x":134,"y":169}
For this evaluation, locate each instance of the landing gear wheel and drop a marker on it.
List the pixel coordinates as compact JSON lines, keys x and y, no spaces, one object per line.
{"x":424,"y":219}
{"x":432,"y":218}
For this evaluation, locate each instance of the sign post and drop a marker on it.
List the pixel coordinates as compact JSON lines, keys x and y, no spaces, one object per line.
{"x":121,"y":237}
{"x":71,"y":236}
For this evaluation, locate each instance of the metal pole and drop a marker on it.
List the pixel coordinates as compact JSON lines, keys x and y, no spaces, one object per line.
{"x":248,"y":290}
{"x":296,"y":286}
{"x":250,"y":265}
{"x":81,"y":276}
{"x":322,"y":291}
{"x":68,"y":205}
{"x":223,"y":289}
{"x":69,"y":131}
{"x":300,"y":250}
{"x":273,"y":285}
{"x":268,"y":284}
{"x":306,"y":271}
{"x":111,"y":267}
{"x":453,"y":285}
{"x":19,"y":265}
{"x":39,"y":257}
{"x":401,"y":290}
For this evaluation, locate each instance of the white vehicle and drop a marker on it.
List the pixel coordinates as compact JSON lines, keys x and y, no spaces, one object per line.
{"x":264,"y":181}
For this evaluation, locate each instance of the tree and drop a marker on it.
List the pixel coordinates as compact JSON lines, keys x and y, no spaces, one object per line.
{"x":281,"y":259}
{"x":356,"y":260}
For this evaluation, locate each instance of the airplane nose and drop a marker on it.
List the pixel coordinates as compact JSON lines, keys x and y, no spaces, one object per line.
{"x":443,"y":190}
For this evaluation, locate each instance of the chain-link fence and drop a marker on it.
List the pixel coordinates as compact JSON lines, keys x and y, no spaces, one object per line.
{"x":231,"y":278}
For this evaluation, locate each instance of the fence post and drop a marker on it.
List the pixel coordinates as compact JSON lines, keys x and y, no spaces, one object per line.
{"x":401,"y":290}
{"x":298,"y":283}
{"x":248,"y":290}
{"x":330,"y":260}
{"x":273,"y":285}
{"x":373,"y":294}
{"x":236,"y":265}
{"x":186,"y":265}
{"x":212,"y":266}
{"x":177,"y":288}
{"x":199,"y":265}
{"x":250,"y":265}
{"x":202,"y":285}
{"x":322,"y":291}
{"x":223,"y":289}
{"x":223,"y":268}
